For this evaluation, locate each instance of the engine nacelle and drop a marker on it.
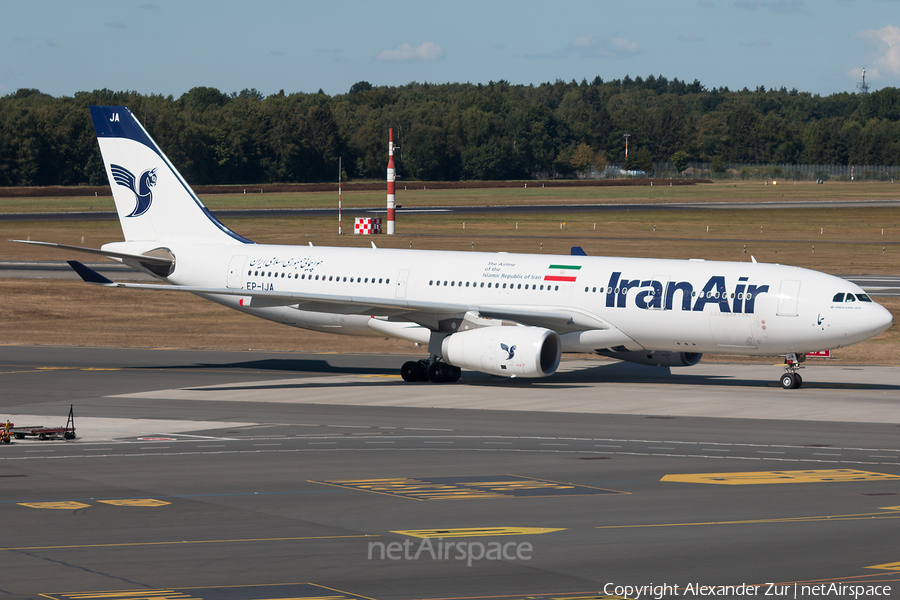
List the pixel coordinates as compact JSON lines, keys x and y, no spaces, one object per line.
{"x":505,"y":351}
{"x":657,"y":359}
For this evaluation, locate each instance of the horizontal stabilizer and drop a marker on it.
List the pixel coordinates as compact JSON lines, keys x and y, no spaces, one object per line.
{"x":89,"y":275}
{"x":143,"y":258}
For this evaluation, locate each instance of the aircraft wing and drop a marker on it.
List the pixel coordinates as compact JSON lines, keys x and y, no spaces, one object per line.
{"x":557,"y":320}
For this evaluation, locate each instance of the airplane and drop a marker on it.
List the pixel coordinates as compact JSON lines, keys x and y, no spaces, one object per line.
{"x":510,"y":315}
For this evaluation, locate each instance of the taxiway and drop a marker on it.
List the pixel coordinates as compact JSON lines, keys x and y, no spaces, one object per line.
{"x":251,"y":476}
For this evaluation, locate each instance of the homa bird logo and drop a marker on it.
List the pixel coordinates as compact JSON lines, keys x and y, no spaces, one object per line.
{"x":511,"y":350}
{"x":142,"y":191}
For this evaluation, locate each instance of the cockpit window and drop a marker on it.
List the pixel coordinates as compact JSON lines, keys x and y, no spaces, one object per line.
{"x":838,"y":297}
{"x":850,"y":298}
{"x":863,"y":298}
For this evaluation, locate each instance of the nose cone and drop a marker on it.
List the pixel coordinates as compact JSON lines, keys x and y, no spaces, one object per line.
{"x":880,"y":319}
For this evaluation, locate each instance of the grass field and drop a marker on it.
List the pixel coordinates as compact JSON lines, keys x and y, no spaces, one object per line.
{"x":412,"y":194}
{"x":840,"y":240}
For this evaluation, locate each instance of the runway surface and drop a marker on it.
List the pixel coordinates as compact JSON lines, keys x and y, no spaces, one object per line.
{"x":239,"y":475}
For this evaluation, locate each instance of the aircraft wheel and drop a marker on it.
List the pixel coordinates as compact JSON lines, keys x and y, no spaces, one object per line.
{"x":798,"y":381}
{"x":455,"y":374}
{"x":788,"y":381}
{"x":410,"y":371}
{"x":439,"y":372}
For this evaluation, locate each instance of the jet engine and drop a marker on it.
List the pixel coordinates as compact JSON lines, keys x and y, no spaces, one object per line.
{"x":657,"y":359}
{"x":505,"y":351}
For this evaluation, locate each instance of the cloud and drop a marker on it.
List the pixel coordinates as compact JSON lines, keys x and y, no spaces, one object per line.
{"x":885,"y":61}
{"x":585,"y":41}
{"x":591,"y":46}
{"x":605,"y":47}
{"x":34,"y":42}
{"x":404,"y":52}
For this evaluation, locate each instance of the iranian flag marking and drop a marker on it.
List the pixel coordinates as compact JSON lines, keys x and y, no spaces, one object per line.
{"x":563,"y":273}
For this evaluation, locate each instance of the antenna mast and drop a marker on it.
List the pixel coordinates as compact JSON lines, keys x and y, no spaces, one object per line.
{"x":863,"y":87}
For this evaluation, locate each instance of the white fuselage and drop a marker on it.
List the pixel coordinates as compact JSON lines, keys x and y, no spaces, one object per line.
{"x":632,"y":303}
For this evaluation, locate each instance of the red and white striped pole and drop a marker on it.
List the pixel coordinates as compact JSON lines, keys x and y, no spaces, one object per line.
{"x":390,"y":184}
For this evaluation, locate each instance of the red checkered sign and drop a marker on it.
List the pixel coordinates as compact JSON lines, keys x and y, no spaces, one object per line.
{"x":367,"y":225}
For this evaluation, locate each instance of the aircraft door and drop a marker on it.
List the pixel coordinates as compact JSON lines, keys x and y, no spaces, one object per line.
{"x":658,"y":300}
{"x":788,"y":298}
{"x":732,"y":330}
{"x":235,"y":272}
{"x":401,"y":283}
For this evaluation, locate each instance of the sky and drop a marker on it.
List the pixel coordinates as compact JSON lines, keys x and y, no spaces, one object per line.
{"x":168,"y":47}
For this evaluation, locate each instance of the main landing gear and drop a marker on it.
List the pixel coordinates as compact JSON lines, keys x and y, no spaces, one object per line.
{"x":791,"y":379}
{"x":430,"y":369}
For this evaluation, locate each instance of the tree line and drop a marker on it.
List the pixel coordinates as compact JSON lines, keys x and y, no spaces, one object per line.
{"x":453,"y":131}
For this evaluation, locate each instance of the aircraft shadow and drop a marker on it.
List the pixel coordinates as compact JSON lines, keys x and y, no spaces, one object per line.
{"x":297,"y":365}
{"x":616,"y":372}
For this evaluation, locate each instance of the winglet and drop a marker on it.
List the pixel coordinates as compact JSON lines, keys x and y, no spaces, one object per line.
{"x":578,"y":251}
{"x":89,"y":275}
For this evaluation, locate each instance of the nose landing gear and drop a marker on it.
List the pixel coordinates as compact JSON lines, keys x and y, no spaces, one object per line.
{"x":791,"y":379}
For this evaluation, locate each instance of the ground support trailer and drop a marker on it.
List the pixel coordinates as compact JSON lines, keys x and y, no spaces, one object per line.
{"x":46,"y":433}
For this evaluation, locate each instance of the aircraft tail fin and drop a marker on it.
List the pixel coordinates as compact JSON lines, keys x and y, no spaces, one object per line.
{"x":153,"y":200}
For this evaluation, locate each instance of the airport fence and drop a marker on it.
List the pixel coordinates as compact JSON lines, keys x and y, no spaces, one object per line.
{"x":738,"y":171}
